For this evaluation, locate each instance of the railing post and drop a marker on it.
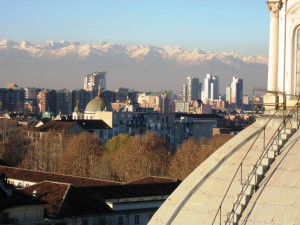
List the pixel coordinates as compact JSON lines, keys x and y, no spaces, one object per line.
{"x":283,"y":117}
{"x":284,"y":100}
{"x":286,"y":116}
{"x":241,"y":165}
{"x":220,"y":215}
{"x":297,"y":113}
{"x":255,"y":179}
{"x":264,"y":138}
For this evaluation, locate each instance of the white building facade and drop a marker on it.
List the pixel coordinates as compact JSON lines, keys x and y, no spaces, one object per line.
{"x":92,"y":81}
{"x":236,"y":95}
{"x":284,"y":51}
{"x":210,"y":88}
{"x":192,"y":88}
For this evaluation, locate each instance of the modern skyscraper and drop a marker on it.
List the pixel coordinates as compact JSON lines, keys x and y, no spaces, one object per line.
{"x":93,"y":80}
{"x":228,"y":94}
{"x":237,"y":92}
{"x":192,"y":88}
{"x":210,"y":88}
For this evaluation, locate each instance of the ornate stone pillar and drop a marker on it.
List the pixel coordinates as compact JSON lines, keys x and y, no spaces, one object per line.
{"x":274,"y":7}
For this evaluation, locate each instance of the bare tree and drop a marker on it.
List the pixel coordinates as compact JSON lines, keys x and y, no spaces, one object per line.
{"x":186,"y":158}
{"x":13,"y":143}
{"x":140,"y":157}
{"x":103,"y":168}
{"x":192,"y":153}
{"x":80,"y":155}
{"x":45,"y":151}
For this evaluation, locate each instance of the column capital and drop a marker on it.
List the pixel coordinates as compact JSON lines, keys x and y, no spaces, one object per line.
{"x":274,"y":7}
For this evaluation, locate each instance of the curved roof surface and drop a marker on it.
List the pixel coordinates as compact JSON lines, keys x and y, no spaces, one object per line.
{"x":96,"y":104}
{"x":277,"y":201}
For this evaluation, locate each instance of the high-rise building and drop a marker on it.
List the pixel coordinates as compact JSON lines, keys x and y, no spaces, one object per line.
{"x":30,"y":103}
{"x":192,"y":88}
{"x":210,"y":88}
{"x":121,"y":94}
{"x":12,"y":99}
{"x":46,"y":101}
{"x":228,"y":94}
{"x":166,"y":102}
{"x":237,"y":92}
{"x":64,"y":102}
{"x":93,"y":80}
{"x":30,"y":93}
{"x":82,"y":97}
{"x":184,"y":93}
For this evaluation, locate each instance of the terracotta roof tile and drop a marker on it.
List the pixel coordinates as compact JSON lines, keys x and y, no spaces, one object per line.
{"x":37,"y":176}
{"x":153,"y":179}
{"x":65,"y":200}
{"x":57,"y":126}
{"x":51,"y":192}
{"x":91,"y":124}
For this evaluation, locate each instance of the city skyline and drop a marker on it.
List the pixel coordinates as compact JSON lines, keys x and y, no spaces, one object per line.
{"x":194,"y":87}
{"x":208,"y":25}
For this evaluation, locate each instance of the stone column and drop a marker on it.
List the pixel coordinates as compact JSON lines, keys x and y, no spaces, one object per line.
{"x":274,"y":7}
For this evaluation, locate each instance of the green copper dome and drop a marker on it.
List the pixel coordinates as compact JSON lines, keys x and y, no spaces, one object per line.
{"x":96,"y":104}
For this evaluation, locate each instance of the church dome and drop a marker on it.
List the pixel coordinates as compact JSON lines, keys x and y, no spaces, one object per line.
{"x":96,"y":104}
{"x":211,"y":192}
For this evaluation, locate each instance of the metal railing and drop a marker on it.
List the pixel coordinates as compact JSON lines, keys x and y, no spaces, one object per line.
{"x":239,"y":172}
{"x":276,"y":94}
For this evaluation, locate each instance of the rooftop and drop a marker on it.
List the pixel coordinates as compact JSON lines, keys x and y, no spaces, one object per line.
{"x":154,"y":179}
{"x":38,"y":176}
{"x":57,"y":126}
{"x":65,"y":200}
{"x":11,"y":197}
{"x":276,"y":201}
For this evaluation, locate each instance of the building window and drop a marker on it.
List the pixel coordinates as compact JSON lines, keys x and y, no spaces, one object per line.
{"x":137,"y":219}
{"x":120,"y":220}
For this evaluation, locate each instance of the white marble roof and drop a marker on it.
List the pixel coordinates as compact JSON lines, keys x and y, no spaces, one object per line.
{"x":277,"y":201}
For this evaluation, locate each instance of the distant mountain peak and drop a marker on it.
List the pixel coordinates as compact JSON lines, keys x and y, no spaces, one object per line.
{"x":142,"y":67}
{"x":139,"y":52}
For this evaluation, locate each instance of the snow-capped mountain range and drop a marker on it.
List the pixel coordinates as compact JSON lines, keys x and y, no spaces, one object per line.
{"x":64,"y":64}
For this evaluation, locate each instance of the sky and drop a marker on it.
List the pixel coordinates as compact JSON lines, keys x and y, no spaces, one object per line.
{"x":210,"y":25}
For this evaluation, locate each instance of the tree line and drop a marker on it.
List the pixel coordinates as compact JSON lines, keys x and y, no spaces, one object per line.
{"x":124,"y":158}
